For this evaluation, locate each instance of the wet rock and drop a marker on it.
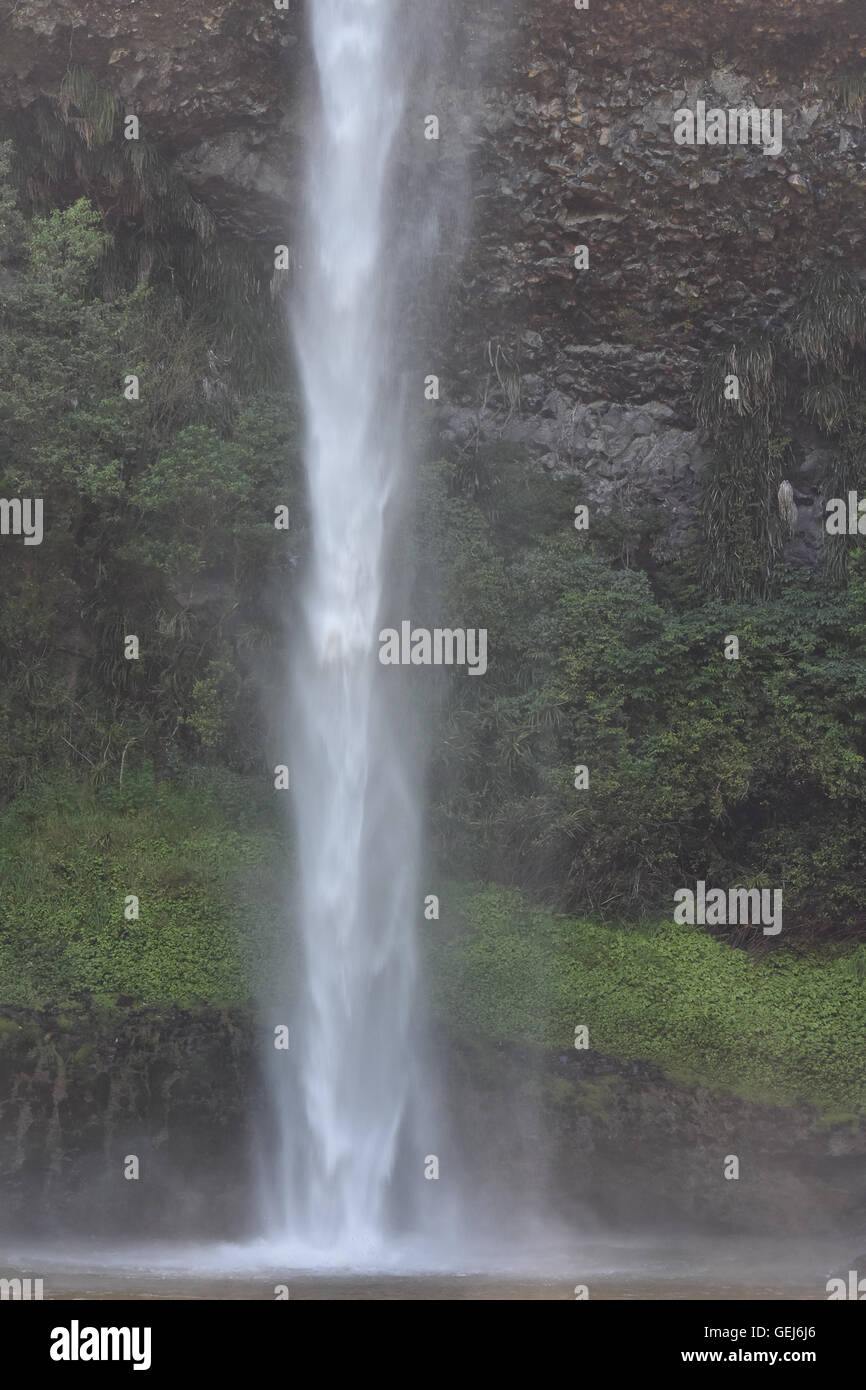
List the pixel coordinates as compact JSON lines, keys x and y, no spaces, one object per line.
{"x":559,"y":125}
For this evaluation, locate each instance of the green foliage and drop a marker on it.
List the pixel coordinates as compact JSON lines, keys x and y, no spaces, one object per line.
{"x":159,"y":234}
{"x":158,"y":517}
{"x":205,"y":856}
{"x":65,"y":247}
{"x":69,"y":858}
{"x":786,"y":1029}
{"x":699,"y":767}
{"x":12,"y":225}
{"x":825,"y":343}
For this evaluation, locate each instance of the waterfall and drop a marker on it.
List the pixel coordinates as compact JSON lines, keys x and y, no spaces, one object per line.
{"x":353,"y":780}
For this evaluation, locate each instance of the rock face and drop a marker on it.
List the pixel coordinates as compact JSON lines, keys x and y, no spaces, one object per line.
{"x":572,"y":130}
{"x":631,"y":460}
{"x":579,"y":1137}
{"x":621,"y":457}
{"x":620,"y":1144}
{"x":207,"y":81}
{"x":81,"y":1095}
{"x":564,"y":119}
{"x":686,"y":245}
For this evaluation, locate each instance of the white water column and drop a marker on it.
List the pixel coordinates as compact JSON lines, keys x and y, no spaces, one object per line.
{"x":353,"y":785}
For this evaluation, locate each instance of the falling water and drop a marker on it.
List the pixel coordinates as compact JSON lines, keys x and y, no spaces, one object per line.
{"x":354,"y":794}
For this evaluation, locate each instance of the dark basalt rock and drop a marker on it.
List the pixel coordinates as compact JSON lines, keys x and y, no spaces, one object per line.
{"x":563,"y":118}
{"x":566,"y":117}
